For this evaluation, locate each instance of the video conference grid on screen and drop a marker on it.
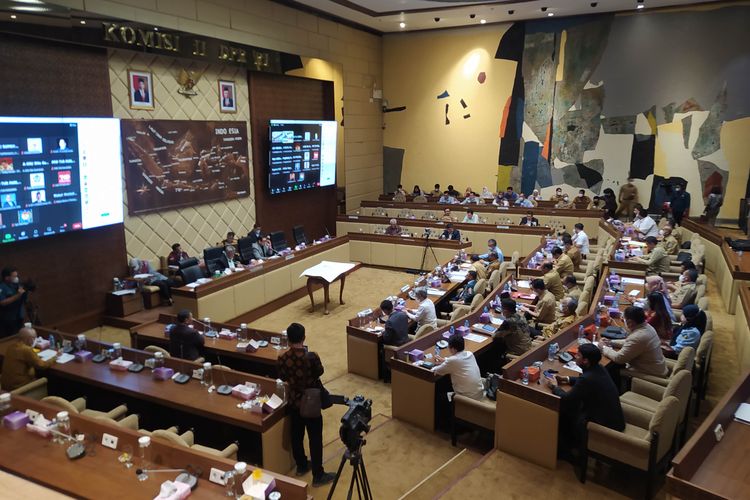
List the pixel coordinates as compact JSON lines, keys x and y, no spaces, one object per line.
{"x":302,"y":155}
{"x":58,"y":175}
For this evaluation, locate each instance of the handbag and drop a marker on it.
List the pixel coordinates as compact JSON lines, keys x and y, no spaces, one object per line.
{"x":310,"y":406}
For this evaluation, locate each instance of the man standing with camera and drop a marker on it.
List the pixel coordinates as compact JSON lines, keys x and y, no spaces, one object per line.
{"x":12,"y":298}
{"x":302,"y":370}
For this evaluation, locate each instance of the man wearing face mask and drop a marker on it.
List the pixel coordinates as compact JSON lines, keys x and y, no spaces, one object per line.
{"x":565,"y":202}
{"x":640,"y":350}
{"x":184,"y":341}
{"x":643,"y":224}
{"x":12,"y":298}
{"x":567,"y":317}
{"x":628,"y":198}
{"x":558,"y":196}
{"x":679,"y":202}
{"x":668,"y":241}
{"x":582,"y":201}
{"x":514,"y":332}
{"x":255,"y":234}
{"x":657,"y":260}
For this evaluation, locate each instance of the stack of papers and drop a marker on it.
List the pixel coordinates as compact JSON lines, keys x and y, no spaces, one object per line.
{"x":474,"y":337}
{"x":632,"y":281}
{"x":523,"y":284}
{"x":329,"y":271}
{"x":124,"y":292}
{"x":435,"y":291}
{"x":743,"y":413}
{"x":47,"y":354}
{"x":142,"y":276}
{"x":64,"y":358}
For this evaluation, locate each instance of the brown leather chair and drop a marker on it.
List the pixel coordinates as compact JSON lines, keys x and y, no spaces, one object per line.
{"x":480,"y":413}
{"x":187,"y":440}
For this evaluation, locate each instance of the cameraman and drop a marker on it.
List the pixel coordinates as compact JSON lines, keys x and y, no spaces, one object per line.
{"x":12,"y":298}
{"x":302,"y":370}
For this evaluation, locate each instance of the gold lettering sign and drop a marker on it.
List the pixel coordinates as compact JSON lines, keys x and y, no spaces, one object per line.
{"x":199,"y":48}
{"x":127,"y":34}
{"x":260,"y":60}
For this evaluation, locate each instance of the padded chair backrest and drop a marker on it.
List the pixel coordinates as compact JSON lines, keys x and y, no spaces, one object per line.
{"x":514,"y":258}
{"x":476,"y":302}
{"x":583,"y":308}
{"x":61,"y":403}
{"x":702,"y":303}
{"x":420,"y":199}
{"x":213,"y":253}
{"x":495,"y":277}
{"x":299,"y":235}
{"x":154,"y":349}
{"x":458,"y":312}
{"x":504,"y":268}
{"x":700,"y":292}
{"x":423,"y":330}
{"x":170,"y":437}
{"x":245,"y":248}
{"x":664,"y":421}
{"x":690,"y":297}
{"x":590,"y":282}
{"x":36,"y":389}
{"x":399,"y":198}
{"x":685,"y":360}
{"x":709,"y":319}
{"x":190,"y":261}
{"x":701,"y":280}
{"x":278,"y":240}
{"x":480,"y":287}
{"x":703,"y":353}
{"x":680,"y":386}
{"x":191,"y":274}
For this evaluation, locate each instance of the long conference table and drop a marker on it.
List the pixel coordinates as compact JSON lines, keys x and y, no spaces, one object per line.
{"x":99,"y":473}
{"x":262,"y":437}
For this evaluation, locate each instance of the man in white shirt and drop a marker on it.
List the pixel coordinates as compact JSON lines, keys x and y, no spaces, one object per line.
{"x":462,"y":366}
{"x":581,"y":239}
{"x":643,"y":224}
{"x":425,"y":313}
{"x":471,"y":217}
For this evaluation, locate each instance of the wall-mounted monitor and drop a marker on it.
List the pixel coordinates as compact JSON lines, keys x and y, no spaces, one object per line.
{"x":302,"y":155}
{"x":58,"y":175}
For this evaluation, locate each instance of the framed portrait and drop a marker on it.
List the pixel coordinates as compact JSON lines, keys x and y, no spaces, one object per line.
{"x":227,"y":97}
{"x":141,"y":87}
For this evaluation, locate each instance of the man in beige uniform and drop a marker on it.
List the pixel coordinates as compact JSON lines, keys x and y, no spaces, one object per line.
{"x":544,"y":309}
{"x":552,"y":281}
{"x":573,"y":252}
{"x":657,"y":259}
{"x":669,"y":242}
{"x":563,"y":263}
{"x":628,"y":198}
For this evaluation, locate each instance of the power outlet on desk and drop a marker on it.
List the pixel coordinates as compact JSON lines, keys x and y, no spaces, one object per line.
{"x":109,"y":441}
{"x":718,"y":432}
{"x":217,"y":476}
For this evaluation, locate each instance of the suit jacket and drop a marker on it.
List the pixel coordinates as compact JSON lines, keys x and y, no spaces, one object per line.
{"x":641,"y":349}
{"x":564,"y":266}
{"x":553,"y":284}
{"x":227,"y":103}
{"x":525,"y":221}
{"x":261,"y":251}
{"x":595,"y":396}
{"x":137,"y":97}
{"x":396,"y":329}
{"x":224,"y":262}
{"x":185,"y":342}
{"x":454,"y":235}
{"x":658,"y":261}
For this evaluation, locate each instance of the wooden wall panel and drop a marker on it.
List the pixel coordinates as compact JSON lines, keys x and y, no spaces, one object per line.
{"x":294,"y":98}
{"x":72,"y":271}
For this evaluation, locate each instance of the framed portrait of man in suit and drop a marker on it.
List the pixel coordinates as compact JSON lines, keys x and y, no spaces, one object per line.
{"x":141,"y":89}
{"x":227,"y":97}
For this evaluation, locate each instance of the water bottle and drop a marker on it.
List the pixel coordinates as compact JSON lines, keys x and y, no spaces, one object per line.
{"x":552,"y":352}
{"x":451,"y":330}
{"x":581,"y":334}
{"x":243,"y":332}
{"x":52,"y":343}
{"x":240,"y":471}
{"x":207,"y":323}
{"x":158,"y":360}
{"x":466,"y":324}
{"x":144,"y":442}
{"x":81,"y":342}
{"x":208,"y":379}
{"x":597,"y":318}
{"x":115,"y":284}
{"x":116,"y":350}
{"x":525,"y":375}
{"x":5,"y":406}
{"x":437,"y":350}
{"x":280,"y":389}
{"x":284,"y":340}
{"x":63,"y":423}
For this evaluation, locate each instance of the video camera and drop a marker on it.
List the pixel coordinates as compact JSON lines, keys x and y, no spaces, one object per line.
{"x":356,"y":421}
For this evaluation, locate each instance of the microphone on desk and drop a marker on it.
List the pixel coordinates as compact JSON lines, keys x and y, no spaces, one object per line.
{"x":224,"y":389}
{"x":185,"y":476}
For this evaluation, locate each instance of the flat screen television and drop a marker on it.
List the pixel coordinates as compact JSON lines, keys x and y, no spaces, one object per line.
{"x":302,"y":155}
{"x":58,"y":175}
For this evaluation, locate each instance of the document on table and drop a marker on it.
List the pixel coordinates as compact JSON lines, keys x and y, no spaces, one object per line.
{"x":632,"y":281}
{"x":523,"y":284}
{"x":743,"y":413}
{"x":329,"y":271}
{"x":124,"y":292}
{"x":435,"y":291}
{"x":142,"y":276}
{"x":64,"y":358}
{"x":474,"y":337}
{"x":47,"y":354}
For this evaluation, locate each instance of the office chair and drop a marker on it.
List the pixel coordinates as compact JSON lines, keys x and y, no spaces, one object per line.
{"x":190,"y":261}
{"x":245,"y":249}
{"x":278,"y":240}
{"x":299,"y":235}
{"x":211,"y":256}
{"x":191,"y":274}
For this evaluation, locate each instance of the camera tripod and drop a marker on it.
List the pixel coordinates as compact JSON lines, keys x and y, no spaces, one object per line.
{"x":424,"y":252}
{"x":359,"y":474}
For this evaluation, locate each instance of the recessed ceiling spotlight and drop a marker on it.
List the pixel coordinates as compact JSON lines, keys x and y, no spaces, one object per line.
{"x":640,"y":4}
{"x":594,"y":4}
{"x":83,"y":22}
{"x":156,"y":28}
{"x":482,"y":21}
{"x":511,"y":12}
{"x":13,"y":16}
{"x":550,"y":14}
{"x":402,"y":25}
{"x":437,"y":19}
{"x":544,"y":9}
{"x":472,"y":16}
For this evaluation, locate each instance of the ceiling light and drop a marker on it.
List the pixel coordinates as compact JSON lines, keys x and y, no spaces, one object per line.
{"x":483,"y":21}
{"x":402,"y":25}
{"x":13,"y":16}
{"x":550,"y":14}
{"x":511,"y":12}
{"x":640,"y":6}
{"x":83,"y":22}
{"x":594,"y":4}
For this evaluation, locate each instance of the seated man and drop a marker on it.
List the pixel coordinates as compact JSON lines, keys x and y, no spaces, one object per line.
{"x":400,"y":190}
{"x":176,"y":255}
{"x":598,"y":203}
{"x":558,"y":196}
{"x":447,"y":199}
{"x":552,"y":281}
{"x":478,"y":266}
{"x":582,"y":201}
{"x":523,"y":201}
{"x":565,"y":202}
{"x":436,"y":192}
{"x":471,"y":217}
{"x":510,"y":195}
{"x":230,"y":239}
{"x":592,"y":398}
{"x":21,"y":362}
{"x":230,"y":260}
{"x":452,"y":191}
{"x":568,"y":308}
{"x":396,"y":326}
{"x":393,"y":228}
{"x":580,"y":239}
{"x":447,"y":216}
{"x":563,"y":263}
{"x":493,"y":263}
{"x":262,"y":248}
{"x":668,"y":241}
{"x":643,"y":224}
{"x":462,"y":366}
{"x":13,"y":297}
{"x":185,"y":341}
{"x":143,"y":266}
{"x":657,"y":261}
{"x":514,"y":332}
{"x":572,"y":289}
{"x":573,"y":252}
{"x":255,"y":234}
{"x":544,"y":306}
{"x":466,"y":293}
{"x":425,"y":313}
{"x":450,"y":233}
{"x":640,"y":350}
{"x":529,"y":220}
{"x":683,"y":292}
{"x":493,"y":248}
{"x":688,"y":334}
{"x":472,"y":199}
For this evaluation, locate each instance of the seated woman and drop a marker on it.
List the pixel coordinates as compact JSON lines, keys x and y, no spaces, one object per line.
{"x":688,"y":334}
{"x":658,"y":316}
{"x":393,"y":228}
